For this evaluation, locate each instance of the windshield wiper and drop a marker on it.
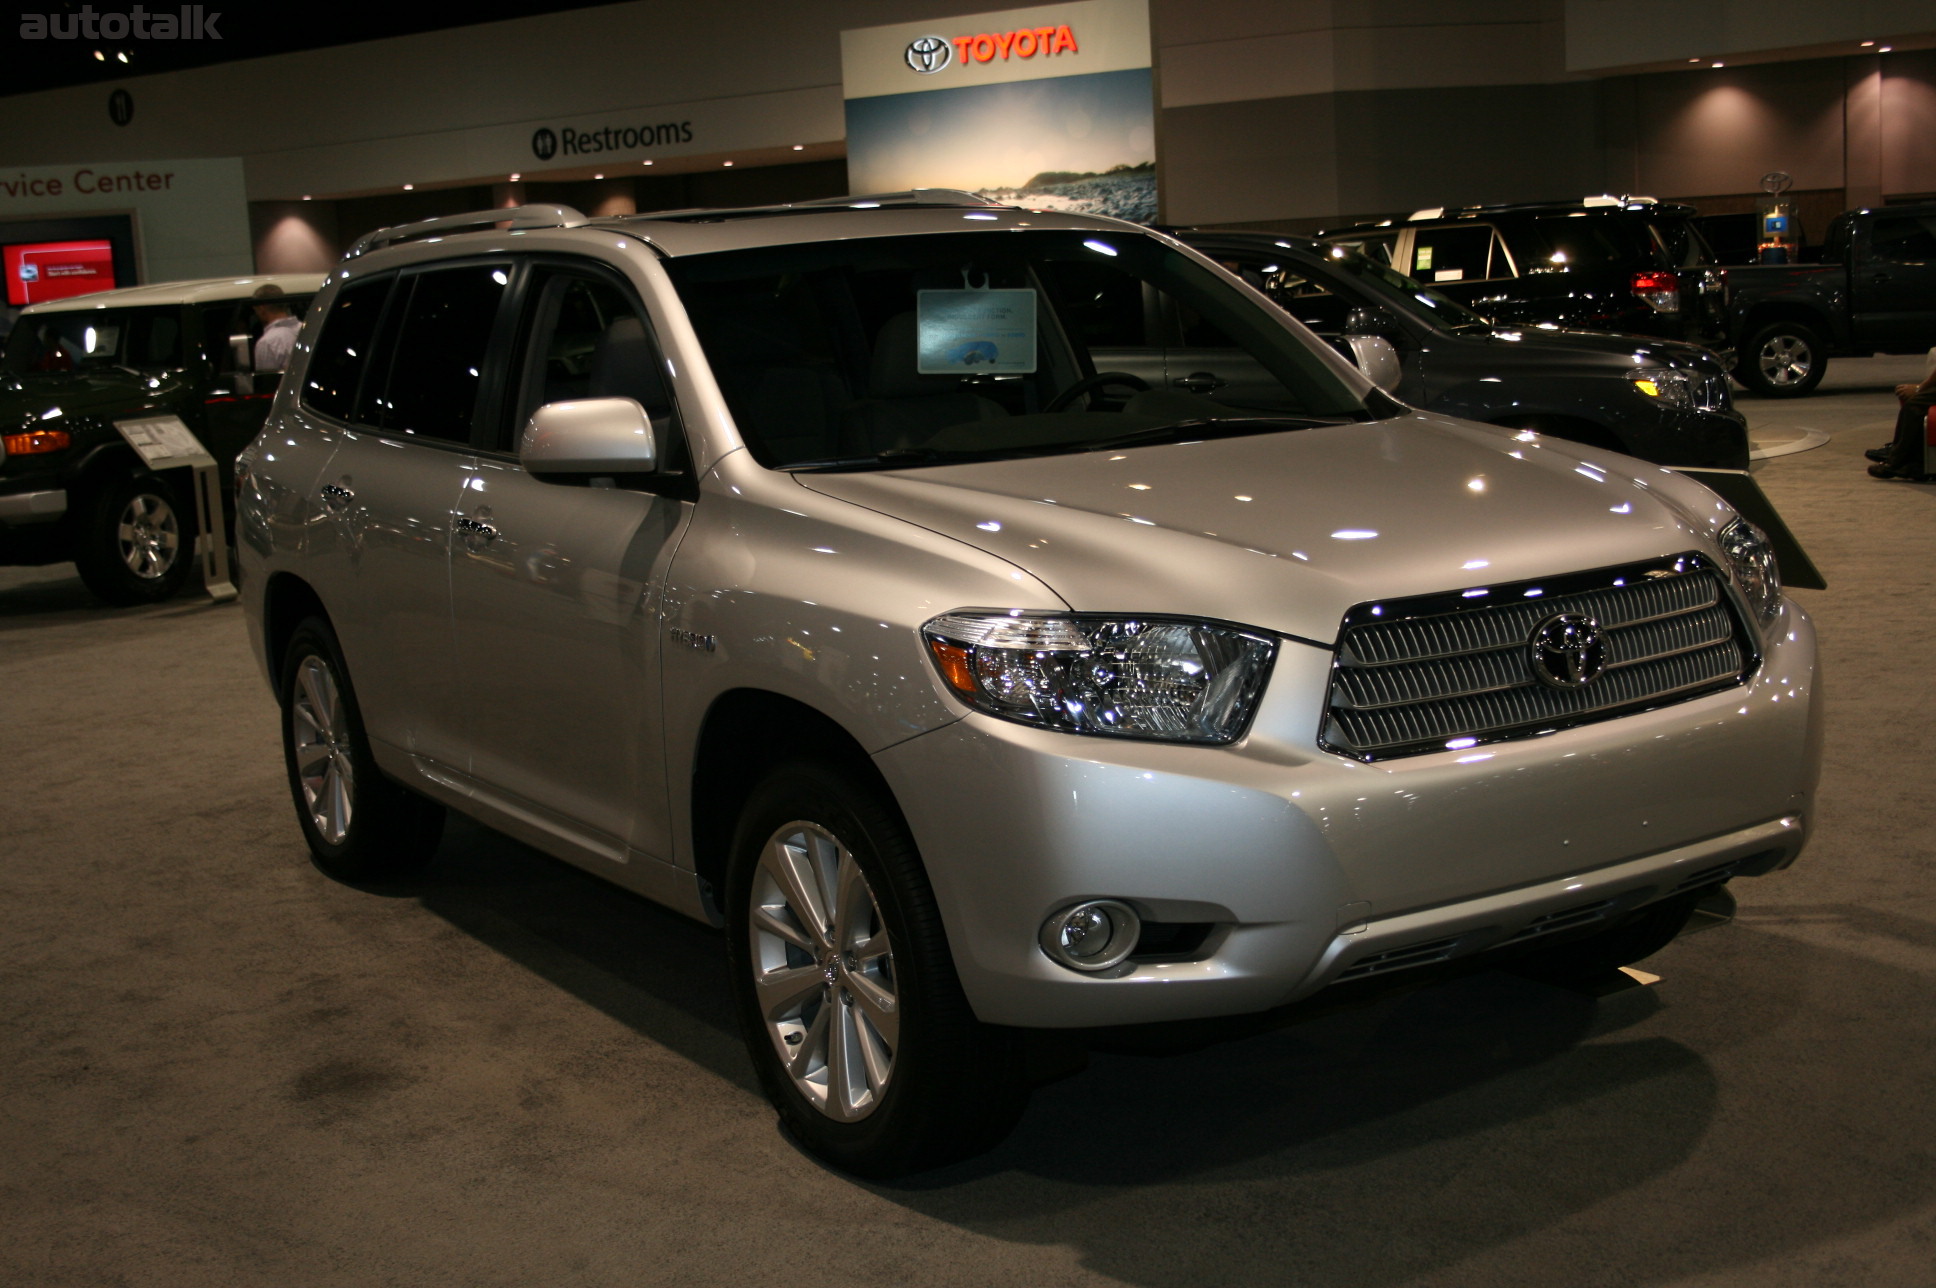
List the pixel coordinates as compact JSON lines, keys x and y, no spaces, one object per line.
{"x":893,"y":458}
{"x":1208,"y":427}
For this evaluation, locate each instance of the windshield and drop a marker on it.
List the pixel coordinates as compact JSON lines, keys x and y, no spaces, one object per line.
{"x":95,"y":340}
{"x":929,"y":349}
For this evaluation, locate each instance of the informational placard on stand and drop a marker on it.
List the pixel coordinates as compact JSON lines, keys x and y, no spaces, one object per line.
{"x":165,"y":443}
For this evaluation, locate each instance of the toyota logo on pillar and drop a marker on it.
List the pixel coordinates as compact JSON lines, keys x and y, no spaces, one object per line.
{"x":930,"y":54}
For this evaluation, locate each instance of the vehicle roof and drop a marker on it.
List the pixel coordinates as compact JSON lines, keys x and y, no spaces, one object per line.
{"x":1447,"y":214}
{"x":196,"y":291}
{"x":675,"y":233}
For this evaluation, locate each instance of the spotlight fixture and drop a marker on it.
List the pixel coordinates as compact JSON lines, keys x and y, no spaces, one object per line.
{"x":307,"y":197}
{"x":645,"y":163}
{"x":1717,"y":64}
{"x":799,"y":147}
{"x":123,"y":56}
{"x":409,"y":187}
{"x":598,"y":176}
{"x":100,"y":57}
{"x":516,"y":177}
{"x":726,"y":163}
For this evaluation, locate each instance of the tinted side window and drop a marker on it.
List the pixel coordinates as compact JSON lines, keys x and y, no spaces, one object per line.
{"x":1904,"y":239}
{"x":343,"y":349}
{"x":589,"y":339}
{"x":1459,"y":253}
{"x":439,"y":358}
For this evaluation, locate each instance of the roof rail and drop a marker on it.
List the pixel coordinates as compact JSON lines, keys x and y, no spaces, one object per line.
{"x":543,"y":215}
{"x":914,"y":197}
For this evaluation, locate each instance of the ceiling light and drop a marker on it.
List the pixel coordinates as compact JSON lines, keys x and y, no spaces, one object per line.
{"x":516,"y":177}
{"x":100,"y":57}
{"x":307,"y":197}
{"x":122,"y":56}
{"x":1883,"y":49}
{"x":598,"y":176}
{"x":725,"y":163}
{"x":1717,"y":64}
{"x":799,"y":147}
{"x":645,"y":163}
{"x":409,"y":187}
{"x":1868,"y":44}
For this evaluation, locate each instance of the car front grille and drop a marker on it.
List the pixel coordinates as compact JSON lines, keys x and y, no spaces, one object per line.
{"x":1458,"y":669}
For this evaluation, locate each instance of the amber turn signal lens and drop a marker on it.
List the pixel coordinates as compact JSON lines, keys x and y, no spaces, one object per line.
{"x":36,"y":441}
{"x":956,"y":667}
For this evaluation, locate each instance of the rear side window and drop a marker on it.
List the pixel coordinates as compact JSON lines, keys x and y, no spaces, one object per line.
{"x":1904,"y":239}
{"x":343,"y":350}
{"x":438,"y":360}
{"x":1458,"y":253}
{"x":1593,"y":241}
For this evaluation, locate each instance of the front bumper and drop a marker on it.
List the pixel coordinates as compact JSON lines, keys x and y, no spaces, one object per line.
{"x":43,"y":506}
{"x":1312,"y":869}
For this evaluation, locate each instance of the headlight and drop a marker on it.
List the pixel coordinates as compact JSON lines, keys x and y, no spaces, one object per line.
{"x":1751,"y":560}
{"x":1167,"y":679}
{"x":1682,"y":390}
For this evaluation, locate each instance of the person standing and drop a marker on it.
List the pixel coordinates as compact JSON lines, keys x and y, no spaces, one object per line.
{"x":279,"y":327}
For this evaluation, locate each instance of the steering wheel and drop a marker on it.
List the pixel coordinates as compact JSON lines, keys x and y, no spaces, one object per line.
{"x":1089,"y":384}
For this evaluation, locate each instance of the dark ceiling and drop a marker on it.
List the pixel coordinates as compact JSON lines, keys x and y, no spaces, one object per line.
{"x":245,"y":31}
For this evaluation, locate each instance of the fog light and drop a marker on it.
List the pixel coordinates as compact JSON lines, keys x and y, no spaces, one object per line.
{"x":1091,"y":936}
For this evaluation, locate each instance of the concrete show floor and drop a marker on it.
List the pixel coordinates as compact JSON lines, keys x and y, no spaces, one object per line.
{"x":223,"y":1069}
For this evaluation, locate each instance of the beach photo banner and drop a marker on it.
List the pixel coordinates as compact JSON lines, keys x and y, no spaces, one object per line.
{"x":1050,"y":107}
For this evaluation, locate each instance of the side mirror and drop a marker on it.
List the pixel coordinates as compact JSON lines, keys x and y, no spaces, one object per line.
{"x":1374,"y":320}
{"x":589,"y":436}
{"x":1378,"y":359}
{"x":242,"y":364}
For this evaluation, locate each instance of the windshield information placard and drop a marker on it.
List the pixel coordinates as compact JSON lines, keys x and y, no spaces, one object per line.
{"x":975,"y":332}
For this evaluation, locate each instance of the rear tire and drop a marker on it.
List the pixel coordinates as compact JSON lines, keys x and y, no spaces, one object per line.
{"x":1782,"y":360}
{"x":137,"y":541}
{"x":360,"y":825}
{"x":847,"y":994}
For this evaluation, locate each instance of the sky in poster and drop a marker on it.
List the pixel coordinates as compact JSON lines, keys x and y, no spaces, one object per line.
{"x":987,"y":137}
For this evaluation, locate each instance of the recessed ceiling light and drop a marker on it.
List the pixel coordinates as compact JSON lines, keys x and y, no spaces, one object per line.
{"x":1693,"y":60}
{"x":100,"y":57}
{"x":726,"y":163}
{"x":1717,"y":64}
{"x":1883,"y":49}
{"x":799,"y":147}
{"x":409,"y":187}
{"x":598,"y":176}
{"x":516,"y":177}
{"x":123,"y":56}
{"x":307,"y":197}
{"x":645,"y":163}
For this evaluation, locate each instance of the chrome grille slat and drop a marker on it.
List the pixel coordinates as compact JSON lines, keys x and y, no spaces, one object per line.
{"x":1488,"y":626}
{"x":1409,"y":685}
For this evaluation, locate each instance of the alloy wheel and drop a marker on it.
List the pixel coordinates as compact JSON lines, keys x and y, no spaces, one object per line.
{"x":823,"y":971}
{"x":149,"y":536}
{"x":1785,"y":360}
{"x":318,"y":730}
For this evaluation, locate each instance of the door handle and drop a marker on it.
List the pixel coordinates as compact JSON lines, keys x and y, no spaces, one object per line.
{"x":1198,"y":382}
{"x":336,"y":497}
{"x":475,"y":531}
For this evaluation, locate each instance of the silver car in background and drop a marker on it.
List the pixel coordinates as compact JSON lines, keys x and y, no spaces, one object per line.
{"x":799,"y":569}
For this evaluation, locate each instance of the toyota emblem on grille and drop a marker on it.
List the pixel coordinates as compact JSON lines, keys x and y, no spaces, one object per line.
{"x":1568,"y":651}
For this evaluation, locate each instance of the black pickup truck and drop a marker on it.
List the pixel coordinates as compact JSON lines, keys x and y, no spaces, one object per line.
{"x":1872,"y":291}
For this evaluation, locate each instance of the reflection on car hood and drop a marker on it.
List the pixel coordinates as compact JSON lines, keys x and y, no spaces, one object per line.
{"x":1629,"y":350}
{"x":1286,"y":531}
{"x":27,"y":398}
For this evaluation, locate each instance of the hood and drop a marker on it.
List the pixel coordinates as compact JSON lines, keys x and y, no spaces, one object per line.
{"x":1286,"y":531}
{"x":1620,"y":350}
{"x":27,"y":398}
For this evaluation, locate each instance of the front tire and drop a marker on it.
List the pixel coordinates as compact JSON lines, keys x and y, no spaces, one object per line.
{"x":360,"y":825}
{"x":852,"y":1013}
{"x":137,"y":542}
{"x":1782,"y":360}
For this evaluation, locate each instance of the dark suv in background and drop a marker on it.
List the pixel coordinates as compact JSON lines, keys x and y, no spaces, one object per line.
{"x":1660,"y":400}
{"x":70,"y":485}
{"x":1623,"y":264}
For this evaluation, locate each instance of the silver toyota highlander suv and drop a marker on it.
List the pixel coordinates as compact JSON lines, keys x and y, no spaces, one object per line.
{"x":806,"y":569}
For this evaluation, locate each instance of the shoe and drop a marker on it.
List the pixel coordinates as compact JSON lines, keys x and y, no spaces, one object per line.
{"x":1879,"y":454}
{"x":1884,"y":470}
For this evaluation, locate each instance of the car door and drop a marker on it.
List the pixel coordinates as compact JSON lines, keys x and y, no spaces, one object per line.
{"x":556,"y":585}
{"x":1893,"y":281}
{"x":397,"y":373}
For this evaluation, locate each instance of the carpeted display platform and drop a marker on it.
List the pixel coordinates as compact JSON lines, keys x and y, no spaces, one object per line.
{"x":222,"y":1069}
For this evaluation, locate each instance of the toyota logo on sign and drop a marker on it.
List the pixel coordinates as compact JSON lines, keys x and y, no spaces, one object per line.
{"x":545,"y":144}
{"x":929,"y":54}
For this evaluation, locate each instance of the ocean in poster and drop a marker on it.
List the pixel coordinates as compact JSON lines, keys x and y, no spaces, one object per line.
{"x":1077,"y":143}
